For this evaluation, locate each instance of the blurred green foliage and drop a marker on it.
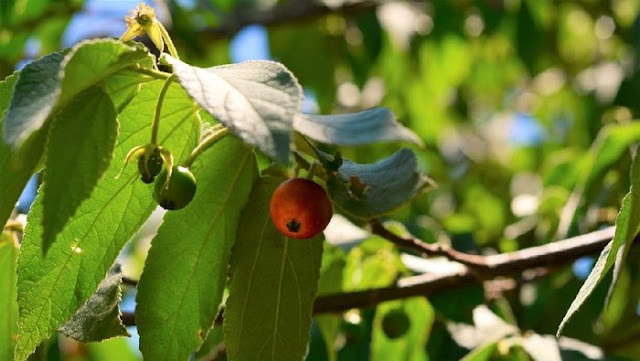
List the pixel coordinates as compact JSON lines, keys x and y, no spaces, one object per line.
{"x":511,"y":98}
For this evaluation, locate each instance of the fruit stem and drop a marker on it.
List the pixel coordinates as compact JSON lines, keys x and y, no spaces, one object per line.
{"x":168,"y":41}
{"x":156,"y":115}
{"x":205,"y":144}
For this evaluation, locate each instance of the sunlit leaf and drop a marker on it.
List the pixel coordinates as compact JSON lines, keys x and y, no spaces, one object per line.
{"x":52,"y":287}
{"x":52,"y":81}
{"x":8,"y":302}
{"x":185,"y":274}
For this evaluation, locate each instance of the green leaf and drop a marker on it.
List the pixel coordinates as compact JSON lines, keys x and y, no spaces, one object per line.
{"x":212,"y":346}
{"x":79,"y":149}
{"x":52,"y":287}
{"x":91,"y":62}
{"x":611,"y":144}
{"x":411,"y":346}
{"x":369,"y":126}
{"x":256,"y":99}
{"x":112,"y":349}
{"x":123,"y":85}
{"x":36,"y":93}
{"x":16,"y":168}
{"x":627,"y":227}
{"x":634,"y":227}
{"x":331,"y":271}
{"x":99,"y":318}
{"x":273,"y":281}
{"x":373,"y":263}
{"x":371,"y":190}
{"x":185,"y":274}
{"x":8,"y":303}
{"x":52,"y":81}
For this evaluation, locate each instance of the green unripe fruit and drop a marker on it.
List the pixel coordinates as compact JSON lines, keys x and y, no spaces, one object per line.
{"x":178,"y":192}
{"x":395,"y":323}
{"x":151,"y":168}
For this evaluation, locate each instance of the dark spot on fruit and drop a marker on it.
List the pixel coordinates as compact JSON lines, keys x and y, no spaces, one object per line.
{"x":293,"y":226}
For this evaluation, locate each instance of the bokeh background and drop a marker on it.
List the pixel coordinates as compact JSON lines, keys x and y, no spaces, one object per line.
{"x":526,"y":109}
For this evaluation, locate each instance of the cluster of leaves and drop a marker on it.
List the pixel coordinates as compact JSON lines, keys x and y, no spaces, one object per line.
{"x":535,"y":64}
{"x":76,"y":127}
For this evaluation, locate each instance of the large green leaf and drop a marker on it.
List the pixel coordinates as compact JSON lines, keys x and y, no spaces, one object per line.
{"x":185,"y":274}
{"x":369,"y":126}
{"x":16,"y":168}
{"x":99,"y":318}
{"x":627,"y":227}
{"x":78,"y":152}
{"x":52,"y":287}
{"x":411,"y":346}
{"x":8,"y":303}
{"x":370,"y":190}
{"x":273,"y":281}
{"x":255,"y":99}
{"x":49,"y":83}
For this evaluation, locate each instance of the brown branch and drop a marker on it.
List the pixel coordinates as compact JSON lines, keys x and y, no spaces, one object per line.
{"x":292,"y":11}
{"x":506,"y":263}
{"x":550,"y":256}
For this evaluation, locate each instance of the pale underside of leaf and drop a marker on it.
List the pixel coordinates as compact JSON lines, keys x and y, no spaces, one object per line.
{"x":389,"y":183}
{"x":368,"y":126}
{"x":257,"y":100}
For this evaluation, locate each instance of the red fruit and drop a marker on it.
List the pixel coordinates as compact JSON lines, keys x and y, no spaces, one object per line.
{"x":300,"y":208}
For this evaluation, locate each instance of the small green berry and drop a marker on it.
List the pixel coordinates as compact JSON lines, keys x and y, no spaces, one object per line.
{"x":178,"y":192}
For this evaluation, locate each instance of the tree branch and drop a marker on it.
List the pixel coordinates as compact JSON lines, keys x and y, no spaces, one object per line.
{"x":292,"y":11}
{"x":543,"y":260}
{"x":550,"y":255}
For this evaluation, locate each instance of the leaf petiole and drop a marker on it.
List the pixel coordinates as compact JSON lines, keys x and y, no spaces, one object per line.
{"x":156,"y":115}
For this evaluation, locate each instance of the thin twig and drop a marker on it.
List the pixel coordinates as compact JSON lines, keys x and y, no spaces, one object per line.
{"x":427,"y":249}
